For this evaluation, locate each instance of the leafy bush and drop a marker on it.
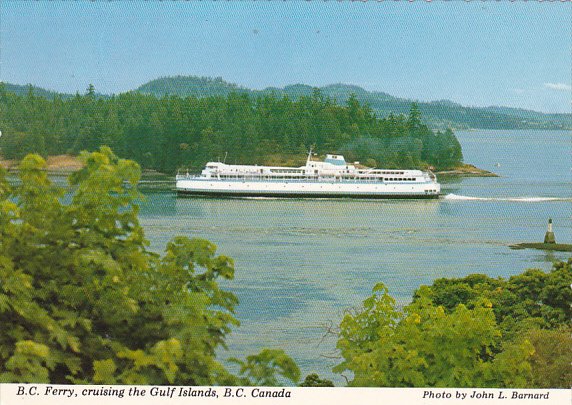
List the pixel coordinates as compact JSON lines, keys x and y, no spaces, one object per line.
{"x":83,"y":301}
{"x":466,"y":332}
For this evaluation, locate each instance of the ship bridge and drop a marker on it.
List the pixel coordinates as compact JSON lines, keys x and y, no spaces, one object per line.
{"x":337,"y":160}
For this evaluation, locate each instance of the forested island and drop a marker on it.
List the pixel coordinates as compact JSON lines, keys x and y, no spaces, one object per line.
{"x":173,"y":132}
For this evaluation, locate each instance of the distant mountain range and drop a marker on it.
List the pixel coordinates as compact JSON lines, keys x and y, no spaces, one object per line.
{"x":437,"y":114}
{"x":22,"y":90}
{"x":38,"y":91}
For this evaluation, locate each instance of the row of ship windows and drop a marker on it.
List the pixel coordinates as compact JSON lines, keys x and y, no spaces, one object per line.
{"x":304,"y":178}
{"x":285,"y":171}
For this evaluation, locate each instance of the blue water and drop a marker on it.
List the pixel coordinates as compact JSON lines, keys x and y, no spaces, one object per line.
{"x":301,"y":263}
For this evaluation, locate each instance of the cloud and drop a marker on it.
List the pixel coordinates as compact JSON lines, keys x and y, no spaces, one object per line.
{"x":558,"y":86}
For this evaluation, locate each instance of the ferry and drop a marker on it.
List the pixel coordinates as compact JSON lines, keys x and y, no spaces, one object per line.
{"x":331,"y":178}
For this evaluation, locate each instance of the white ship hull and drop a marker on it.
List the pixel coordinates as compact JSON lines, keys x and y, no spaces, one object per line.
{"x":309,"y":189}
{"x":331,"y":178}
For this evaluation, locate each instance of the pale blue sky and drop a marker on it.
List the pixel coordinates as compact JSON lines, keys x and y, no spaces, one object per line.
{"x":516,"y":54}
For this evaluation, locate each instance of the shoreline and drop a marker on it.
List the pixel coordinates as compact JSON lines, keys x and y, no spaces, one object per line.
{"x":558,"y":247}
{"x":64,"y":165}
{"x":467,"y":170}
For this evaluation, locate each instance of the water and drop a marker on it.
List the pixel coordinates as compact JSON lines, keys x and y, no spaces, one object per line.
{"x":301,"y":263}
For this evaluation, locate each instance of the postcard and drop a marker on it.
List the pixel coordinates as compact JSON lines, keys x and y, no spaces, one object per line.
{"x":292,"y":201}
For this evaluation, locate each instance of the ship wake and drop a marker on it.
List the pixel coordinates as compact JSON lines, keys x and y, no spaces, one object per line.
{"x":455,"y":197}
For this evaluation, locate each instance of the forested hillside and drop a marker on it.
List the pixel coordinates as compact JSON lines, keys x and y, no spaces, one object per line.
{"x":23,"y":90}
{"x":171,"y":132}
{"x":437,"y":114}
{"x":440,"y":114}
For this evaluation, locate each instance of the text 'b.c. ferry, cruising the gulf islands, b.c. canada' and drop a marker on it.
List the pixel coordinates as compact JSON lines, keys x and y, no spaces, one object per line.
{"x":331,"y":178}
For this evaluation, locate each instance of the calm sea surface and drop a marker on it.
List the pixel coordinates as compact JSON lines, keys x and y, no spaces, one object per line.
{"x":301,"y":263}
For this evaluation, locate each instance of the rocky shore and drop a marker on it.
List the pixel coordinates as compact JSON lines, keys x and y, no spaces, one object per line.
{"x":467,"y":170}
{"x":559,"y":247}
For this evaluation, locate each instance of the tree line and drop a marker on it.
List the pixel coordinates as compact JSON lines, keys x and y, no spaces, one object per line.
{"x":172,"y":132}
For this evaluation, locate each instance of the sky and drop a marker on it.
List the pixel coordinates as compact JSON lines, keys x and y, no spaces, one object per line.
{"x":516,"y":54}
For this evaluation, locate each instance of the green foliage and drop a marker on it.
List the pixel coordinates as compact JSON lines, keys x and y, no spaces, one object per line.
{"x":314,"y":380}
{"x":425,"y":345}
{"x":551,"y":365}
{"x":83,"y":301}
{"x":534,"y":306}
{"x":172,"y":132}
{"x":262,"y":369}
{"x":533,"y":297}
